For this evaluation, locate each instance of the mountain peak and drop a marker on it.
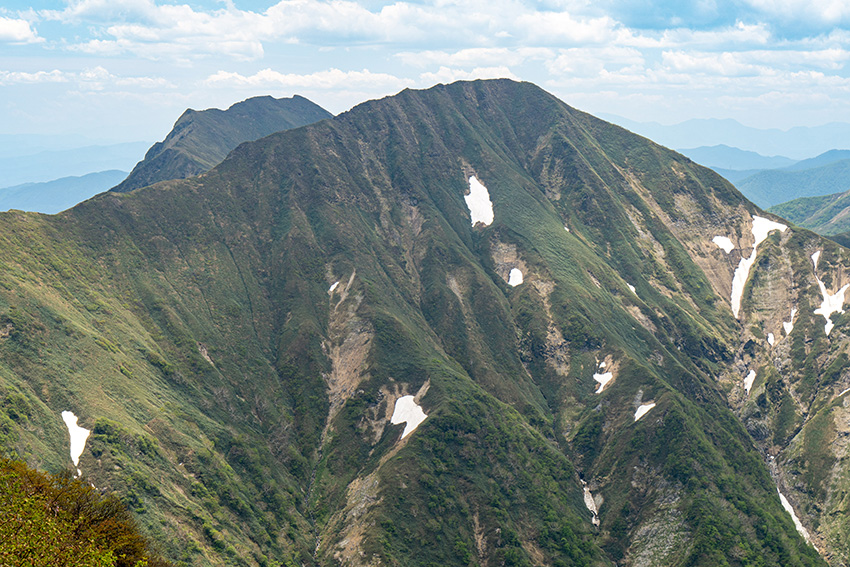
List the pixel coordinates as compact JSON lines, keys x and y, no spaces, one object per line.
{"x":201,"y":139}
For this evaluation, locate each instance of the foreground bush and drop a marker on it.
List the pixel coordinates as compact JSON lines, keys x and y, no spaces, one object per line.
{"x":60,"y":521}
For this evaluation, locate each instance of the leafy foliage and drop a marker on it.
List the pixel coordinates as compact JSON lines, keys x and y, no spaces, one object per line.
{"x":60,"y":521}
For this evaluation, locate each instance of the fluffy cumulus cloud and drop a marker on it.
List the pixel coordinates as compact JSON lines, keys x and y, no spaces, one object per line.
{"x":17,"y":31}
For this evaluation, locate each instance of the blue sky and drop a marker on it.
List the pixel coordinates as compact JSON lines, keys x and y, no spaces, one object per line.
{"x":125,"y":69}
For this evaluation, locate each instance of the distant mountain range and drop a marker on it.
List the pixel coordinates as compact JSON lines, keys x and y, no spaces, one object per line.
{"x":796,"y":143}
{"x":731,"y":158}
{"x":201,"y":139}
{"x":771,"y":187}
{"x":769,"y":181}
{"x":49,"y":165}
{"x":60,"y":194}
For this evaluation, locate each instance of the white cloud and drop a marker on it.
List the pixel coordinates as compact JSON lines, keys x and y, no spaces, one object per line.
{"x":17,"y":77}
{"x":17,"y":31}
{"x":448,"y":75}
{"x":476,"y":56}
{"x":729,"y":64}
{"x":91,"y":79}
{"x":817,"y":11}
{"x":328,"y":79}
{"x":592,"y":61}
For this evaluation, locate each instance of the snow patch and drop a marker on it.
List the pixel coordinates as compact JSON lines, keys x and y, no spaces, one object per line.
{"x":833,"y":303}
{"x":724,"y":243}
{"x":789,"y":325}
{"x":770,"y":339}
{"x":478,"y":202}
{"x":797,"y":523}
{"x":631,"y":287}
{"x":78,"y":437}
{"x":567,"y":228}
{"x":407,"y":411}
{"x":843,"y":392}
{"x":590,"y":504}
{"x":515,"y":277}
{"x":815,"y":259}
{"x":603,"y":380}
{"x":748,"y":381}
{"x":643,"y":409}
{"x":761,"y":228}
{"x":333,"y":287}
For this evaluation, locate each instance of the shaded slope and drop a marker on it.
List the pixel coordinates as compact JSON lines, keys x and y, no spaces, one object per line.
{"x":201,"y":139}
{"x":237,"y":343}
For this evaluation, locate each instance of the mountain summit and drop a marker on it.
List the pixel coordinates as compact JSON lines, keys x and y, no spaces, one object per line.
{"x":201,"y":139}
{"x":462,"y":326}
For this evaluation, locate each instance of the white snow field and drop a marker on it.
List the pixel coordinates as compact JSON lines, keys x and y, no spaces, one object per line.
{"x":797,"y":524}
{"x":761,"y":228}
{"x":78,"y":437}
{"x":407,"y":411}
{"x":590,"y":504}
{"x":724,"y":243}
{"x":603,"y":379}
{"x":789,"y":325}
{"x":748,"y":381}
{"x":478,"y":202}
{"x":831,"y":303}
{"x":333,"y":287}
{"x":770,"y":339}
{"x":643,"y":410}
{"x":515,"y":277}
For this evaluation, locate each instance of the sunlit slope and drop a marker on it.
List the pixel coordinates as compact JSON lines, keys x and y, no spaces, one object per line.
{"x":238,"y":343}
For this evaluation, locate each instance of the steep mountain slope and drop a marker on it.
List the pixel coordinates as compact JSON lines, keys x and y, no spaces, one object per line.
{"x":53,"y":196}
{"x":201,"y":139}
{"x":772,"y":187}
{"x":249,"y":348}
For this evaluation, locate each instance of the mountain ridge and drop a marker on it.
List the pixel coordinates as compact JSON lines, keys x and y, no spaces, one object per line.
{"x":199,"y":140}
{"x":260,"y":322}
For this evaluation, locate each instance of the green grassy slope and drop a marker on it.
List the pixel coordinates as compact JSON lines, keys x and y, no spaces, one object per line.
{"x":241,"y":406}
{"x":827,"y":214}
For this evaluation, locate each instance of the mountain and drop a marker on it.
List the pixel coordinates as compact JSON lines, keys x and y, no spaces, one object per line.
{"x":736,"y":175}
{"x":797,"y":143}
{"x":54,"y":164}
{"x":826,"y":158}
{"x":727,"y":157}
{"x":772,"y":187}
{"x":466,"y":325}
{"x":53,"y":196}
{"x":826,"y":215}
{"x":201,"y":139}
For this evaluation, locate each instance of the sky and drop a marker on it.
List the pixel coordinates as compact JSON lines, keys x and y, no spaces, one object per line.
{"x":124,"y":70}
